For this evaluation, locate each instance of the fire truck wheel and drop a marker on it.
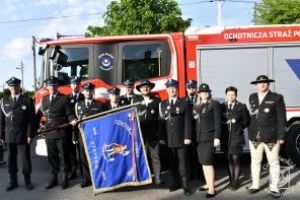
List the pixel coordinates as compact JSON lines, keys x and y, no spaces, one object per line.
{"x":293,"y":143}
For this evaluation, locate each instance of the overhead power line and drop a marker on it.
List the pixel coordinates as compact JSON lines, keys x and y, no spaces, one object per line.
{"x":99,"y":13}
{"x":48,"y":18}
{"x":195,"y":2}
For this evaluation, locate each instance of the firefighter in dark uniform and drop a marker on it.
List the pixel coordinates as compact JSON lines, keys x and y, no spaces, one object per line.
{"x":148,"y":114}
{"x":57,"y":109}
{"x":114,"y":98}
{"x":84,"y":108}
{"x":17,"y":130}
{"x":208,"y":115}
{"x":235,"y":119}
{"x":73,"y":132}
{"x":266,"y":133}
{"x":194,"y":166}
{"x":129,"y":92}
{"x":175,"y":127}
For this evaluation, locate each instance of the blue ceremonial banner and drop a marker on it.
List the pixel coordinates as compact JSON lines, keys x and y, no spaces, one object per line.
{"x":115,"y":151}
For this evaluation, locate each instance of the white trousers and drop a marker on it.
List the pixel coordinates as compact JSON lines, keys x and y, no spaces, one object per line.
{"x":273,"y":161}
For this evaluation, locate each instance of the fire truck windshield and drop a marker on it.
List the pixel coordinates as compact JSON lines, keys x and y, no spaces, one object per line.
{"x":111,"y":63}
{"x":65,"y":62}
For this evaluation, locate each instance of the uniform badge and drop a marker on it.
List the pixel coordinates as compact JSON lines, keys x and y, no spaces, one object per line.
{"x":177,"y":110}
{"x":233,"y":121}
{"x":267,"y":110}
{"x":24,"y":107}
{"x":152,"y":111}
{"x":79,"y":107}
{"x":72,"y":101}
{"x":169,"y":107}
{"x":122,"y":102}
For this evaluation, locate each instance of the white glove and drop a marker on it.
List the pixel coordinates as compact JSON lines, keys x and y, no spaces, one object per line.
{"x":216,"y":142}
{"x":187,"y":141}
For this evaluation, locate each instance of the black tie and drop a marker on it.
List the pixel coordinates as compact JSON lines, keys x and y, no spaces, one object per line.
{"x":230,"y":107}
{"x":172,"y":102}
{"x":192,"y":99}
{"x":88,"y":104}
{"x":15,"y":99}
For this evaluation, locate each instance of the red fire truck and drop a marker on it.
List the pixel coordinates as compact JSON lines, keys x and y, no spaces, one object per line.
{"x":218,"y":56}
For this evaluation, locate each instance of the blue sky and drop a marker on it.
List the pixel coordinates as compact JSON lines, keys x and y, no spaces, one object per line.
{"x":15,"y":37}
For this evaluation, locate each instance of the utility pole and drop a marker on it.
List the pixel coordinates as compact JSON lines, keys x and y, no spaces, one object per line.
{"x":255,"y":13}
{"x":219,"y":11}
{"x":34,"y":62}
{"x":22,"y":73}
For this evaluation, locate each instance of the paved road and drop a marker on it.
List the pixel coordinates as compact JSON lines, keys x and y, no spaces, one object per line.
{"x":41,"y":173}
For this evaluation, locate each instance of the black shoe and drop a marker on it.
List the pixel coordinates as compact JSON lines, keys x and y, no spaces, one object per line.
{"x":52,"y":184}
{"x":64,"y":185}
{"x":173,"y":188}
{"x":2,"y":162}
{"x":275,"y":195}
{"x":73,"y":175}
{"x":235,"y":186}
{"x":160,"y":184}
{"x":28,"y":186}
{"x":187,"y":192}
{"x":85,"y":184}
{"x":230,"y":186}
{"x":202,"y":189}
{"x":12,"y":186}
{"x":252,"y":190}
{"x":208,"y":195}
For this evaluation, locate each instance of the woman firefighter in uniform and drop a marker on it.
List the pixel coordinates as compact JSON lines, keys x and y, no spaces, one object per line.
{"x":235,"y":119}
{"x":207,"y":113}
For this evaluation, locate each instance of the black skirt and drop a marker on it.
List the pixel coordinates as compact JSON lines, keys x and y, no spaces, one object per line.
{"x":206,"y":153}
{"x":236,"y":150}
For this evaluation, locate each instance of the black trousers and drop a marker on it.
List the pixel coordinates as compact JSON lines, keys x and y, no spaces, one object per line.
{"x":57,"y":148}
{"x":1,"y":152}
{"x":153,"y":153}
{"x":72,"y":135}
{"x":195,"y":169}
{"x":24,"y":150}
{"x":178,"y":164}
{"x":86,"y":177}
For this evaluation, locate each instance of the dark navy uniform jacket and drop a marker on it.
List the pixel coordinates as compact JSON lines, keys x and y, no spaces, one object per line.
{"x":234,"y":122}
{"x":208,"y":121}
{"x":268,"y":119}
{"x":125,"y":100}
{"x":57,"y":112}
{"x":83,"y":111}
{"x":17,"y":119}
{"x":176,"y":122}
{"x":74,"y":100}
{"x":148,"y":116}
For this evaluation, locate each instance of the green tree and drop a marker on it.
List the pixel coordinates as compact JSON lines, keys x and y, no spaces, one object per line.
{"x":127,"y":17}
{"x":278,"y":12}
